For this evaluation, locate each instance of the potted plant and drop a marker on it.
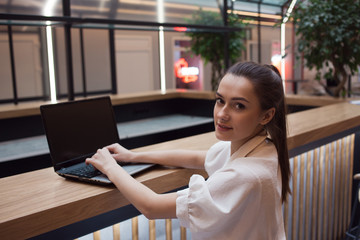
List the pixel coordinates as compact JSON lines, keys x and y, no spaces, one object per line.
{"x":329,"y":38}
{"x":210,"y":44}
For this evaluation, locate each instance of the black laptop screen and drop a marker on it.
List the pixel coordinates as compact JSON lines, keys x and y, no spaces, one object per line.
{"x":78,"y":128}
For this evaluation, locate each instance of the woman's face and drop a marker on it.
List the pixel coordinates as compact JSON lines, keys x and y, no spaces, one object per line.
{"x":237,"y":112}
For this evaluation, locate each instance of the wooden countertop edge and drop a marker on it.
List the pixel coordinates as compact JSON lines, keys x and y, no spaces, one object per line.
{"x":308,"y":126}
{"x":307,"y":137}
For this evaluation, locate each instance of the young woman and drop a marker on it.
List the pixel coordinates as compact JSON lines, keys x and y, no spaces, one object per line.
{"x":248,"y":168}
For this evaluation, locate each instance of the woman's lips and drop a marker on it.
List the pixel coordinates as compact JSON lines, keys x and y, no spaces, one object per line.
{"x":222,"y":127}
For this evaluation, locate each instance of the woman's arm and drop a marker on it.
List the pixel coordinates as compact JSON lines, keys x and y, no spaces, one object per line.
{"x":149,"y":203}
{"x":174,"y":158}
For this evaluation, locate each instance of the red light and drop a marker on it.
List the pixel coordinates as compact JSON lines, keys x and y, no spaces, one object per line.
{"x":180,"y":29}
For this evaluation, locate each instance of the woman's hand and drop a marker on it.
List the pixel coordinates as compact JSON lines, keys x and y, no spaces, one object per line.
{"x":103,"y":161}
{"x":149,"y":203}
{"x":120,"y":154}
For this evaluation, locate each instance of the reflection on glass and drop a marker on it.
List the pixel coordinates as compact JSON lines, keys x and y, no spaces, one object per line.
{"x":188,"y":68}
{"x":32,"y":7}
{"x":145,"y":10}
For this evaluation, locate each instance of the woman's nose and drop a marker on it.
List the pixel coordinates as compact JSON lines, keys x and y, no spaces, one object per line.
{"x":223,"y":114}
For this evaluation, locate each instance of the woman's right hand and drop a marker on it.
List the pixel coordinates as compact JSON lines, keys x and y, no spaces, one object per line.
{"x":120,"y":154}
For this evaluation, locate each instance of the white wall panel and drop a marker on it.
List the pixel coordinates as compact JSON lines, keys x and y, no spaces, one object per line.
{"x":134,"y":66}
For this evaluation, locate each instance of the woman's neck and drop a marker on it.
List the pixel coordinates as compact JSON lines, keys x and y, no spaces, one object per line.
{"x":235,"y":145}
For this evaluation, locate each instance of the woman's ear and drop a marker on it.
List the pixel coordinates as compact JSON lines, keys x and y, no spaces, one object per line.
{"x":267,"y":116}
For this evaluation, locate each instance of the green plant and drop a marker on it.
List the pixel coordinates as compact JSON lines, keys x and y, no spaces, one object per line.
{"x":329,"y":37}
{"x":210,"y":44}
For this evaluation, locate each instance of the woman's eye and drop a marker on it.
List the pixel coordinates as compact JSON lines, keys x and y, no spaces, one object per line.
{"x":239,"y":106}
{"x":219,"y":101}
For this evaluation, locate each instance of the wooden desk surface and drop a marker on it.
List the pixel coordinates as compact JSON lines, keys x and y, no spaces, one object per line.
{"x":37,"y":202}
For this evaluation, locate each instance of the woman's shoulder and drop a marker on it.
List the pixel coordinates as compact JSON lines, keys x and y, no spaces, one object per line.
{"x":265,"y":150}
{"x":220,"y":145}
{"x":217,"y":156}
{"x":261,"y":162}
{"x":221,"y":148}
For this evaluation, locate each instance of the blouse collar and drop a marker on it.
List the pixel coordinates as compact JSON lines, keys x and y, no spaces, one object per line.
{"x":250,"y":145}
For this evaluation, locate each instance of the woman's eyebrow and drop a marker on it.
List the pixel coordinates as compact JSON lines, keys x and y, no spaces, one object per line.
{"x":236,"y":98}
{"x":217,"y":93}
{"x":240,"y":99}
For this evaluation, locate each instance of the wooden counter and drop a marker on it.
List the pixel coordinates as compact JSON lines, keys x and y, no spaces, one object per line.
{"x":314,"y":124}
{"x":37,"y":202}
{"x":314,"y":101}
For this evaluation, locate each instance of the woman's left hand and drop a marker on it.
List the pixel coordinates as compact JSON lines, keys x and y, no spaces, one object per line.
{"x":103,"y":161}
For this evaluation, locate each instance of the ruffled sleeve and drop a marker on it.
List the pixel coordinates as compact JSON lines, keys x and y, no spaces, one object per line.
{"x":210,"y":204}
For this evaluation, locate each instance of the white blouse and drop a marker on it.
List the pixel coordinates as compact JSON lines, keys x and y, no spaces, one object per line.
{"x":241,"y":199}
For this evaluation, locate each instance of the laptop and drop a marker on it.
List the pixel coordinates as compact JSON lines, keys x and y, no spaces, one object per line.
{"x":75,"y":130}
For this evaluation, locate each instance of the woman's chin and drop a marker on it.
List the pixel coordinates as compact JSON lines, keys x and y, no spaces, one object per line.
{"x":221,"y":136}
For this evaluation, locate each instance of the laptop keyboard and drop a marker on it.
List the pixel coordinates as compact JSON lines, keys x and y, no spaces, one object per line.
{"x":88,"y":171}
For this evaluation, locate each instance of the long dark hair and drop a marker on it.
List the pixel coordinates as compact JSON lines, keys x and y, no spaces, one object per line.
{"x":269,"y":89}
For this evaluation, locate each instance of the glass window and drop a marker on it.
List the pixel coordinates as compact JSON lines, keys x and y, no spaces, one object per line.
{"x":29,"y":65}
{"x":6,"y":89}
{"x":96,"y":77}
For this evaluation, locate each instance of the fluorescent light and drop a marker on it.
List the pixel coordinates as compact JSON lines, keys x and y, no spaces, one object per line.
{"x":48,"y":11}
{"x":49,"y":7}
{"x":161,"y":18}
{"x":289,"y":11}
{"x":282,"y":40}
{"x":160,"y":11}
{"x":162,"y":60}
{"x":50,"y":53}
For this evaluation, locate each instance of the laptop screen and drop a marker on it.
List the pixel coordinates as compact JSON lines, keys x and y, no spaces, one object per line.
{"x":78,"y":128}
